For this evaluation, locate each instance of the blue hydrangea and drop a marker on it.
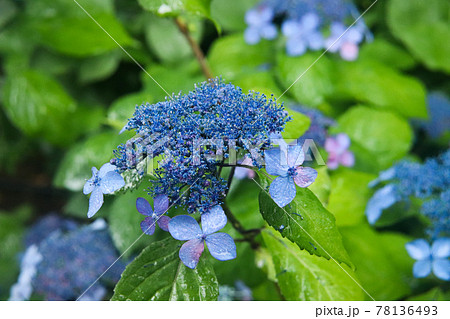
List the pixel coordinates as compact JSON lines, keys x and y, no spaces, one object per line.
{"x":309,"y":25}
{"x":66,"y":262}
{"x":260,"y":26}
{"x":103,"y":181}
{"x":188,"y":130}
{"x":434,"y":258}
{"x":220,"y":245}
{"x":286,"y":165}
{"x":428,"y":182}
{"x":439,"y":115}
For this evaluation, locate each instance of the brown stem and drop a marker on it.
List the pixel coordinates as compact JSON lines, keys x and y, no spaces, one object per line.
{"x":249,"y":235}
{"x":195,"y":48}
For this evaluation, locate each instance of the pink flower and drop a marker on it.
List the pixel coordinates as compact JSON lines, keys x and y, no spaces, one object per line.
{"x":338,"y":153}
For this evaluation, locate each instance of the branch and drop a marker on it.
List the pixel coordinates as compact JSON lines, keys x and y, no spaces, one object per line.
{"x":249,"y":235}
{"x":195,"y":48}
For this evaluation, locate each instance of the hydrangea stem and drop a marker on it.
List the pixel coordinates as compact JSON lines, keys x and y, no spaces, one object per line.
{"x":249,"y":235}
{"x":195,"y":48}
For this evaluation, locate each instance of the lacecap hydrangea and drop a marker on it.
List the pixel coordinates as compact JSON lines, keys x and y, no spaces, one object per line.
{"x":192,"y":134}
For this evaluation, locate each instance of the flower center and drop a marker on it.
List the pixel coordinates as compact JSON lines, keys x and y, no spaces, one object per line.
{"x":292,"y":171}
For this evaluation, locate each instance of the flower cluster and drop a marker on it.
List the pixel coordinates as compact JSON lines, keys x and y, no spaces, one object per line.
{"x":439,"y":115}
{"x":62,"y":263}
{"x":429,"y":182}
{"x":308,"y":25}
{"x":194,"y":134}
{"x":318,"y":128}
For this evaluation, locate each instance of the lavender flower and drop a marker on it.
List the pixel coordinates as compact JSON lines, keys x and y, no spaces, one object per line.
{"x":302,"y":34}
{"x":434,"y":258}
{"x":259,"y":21}
{"x":382,"y":199}
{"x":220,"y":245}
{"x":286,"y":165}
{"x":103,"y":181}
{"x":338,"y":153}
{"x":243,"y":172}
{"x":161,"y":203}
{"x":347,"y":45}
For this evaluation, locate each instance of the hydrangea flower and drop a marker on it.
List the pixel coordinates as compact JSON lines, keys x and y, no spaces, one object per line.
{"x":183,"y":131}
{"x":243,"y":172}
{"x":161,"y":203}
{"x":382,"y":199}
{"x":286,"y":165}
{"x":439,"y":111}
{"x":103,"y":181}
{"x":338,"y":153}
{"x":434,"y":258}
{"x":318,"y":128}
{"x":347,"y":45}
{"x":302,"y":34}
{"x":220,"y":245}
{"x":259,"y":21}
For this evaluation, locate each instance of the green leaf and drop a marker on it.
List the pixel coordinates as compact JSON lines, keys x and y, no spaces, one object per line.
{"x":322,"y":185}
{"x":302,"y":276}
{"x":380,"y":261}
{"x":76,"y":165}
{"x":435,"y":294}
{"x":316,"y":83}
{"x":374,"y":83}
{"x":123,"y":108}
{"x":99,"y":67}
{"x":306,"y":222}
{"x":158,"y":274}
{"x":386,"y":136}
{"x":387,"y":53}
{"x":38,"y":105}
{"x":423,"y":27}
{"x":174,"y":8}
{"x":231,"y":57}
{"x":65,"y":27}
{"x":262,"y":82}
{"x":168,"y":43}
{"x":349,"y":195}
{"x":230,"y":14}
{"x":124,"y":221}
{"x":297,"y":127}
{"x":7,"y":11}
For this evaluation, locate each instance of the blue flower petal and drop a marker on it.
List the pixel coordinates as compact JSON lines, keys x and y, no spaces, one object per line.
{"x":251,"y":35}
{"x":163,"y":222}
{"x":418,"y":249}
{"x":268,"y":31}
{"x":441,"y":248}
{"x":143,"y":206}
{"x":111,"y":182}
{"x":305,"y":176}
{"x":105,"y":169}
{"x":422,"y":268}
{"x":88,"y":186}
{"x":282,"y":190}
{"x":191,"y":251}
{"x":161,"y":203}
{"x":441,"y":268}
{"x":382,"y":199}
{"x":184,"y":227}
{"x":95,"y":202}
{"x":148,"y":226}
{"x":295,"y":155}
{"x":214,"y":220}
{"x":275,"y":163}
{"x":221,"y":246}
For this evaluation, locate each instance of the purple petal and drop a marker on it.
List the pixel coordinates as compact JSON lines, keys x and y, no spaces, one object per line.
{"x":418,"y":249}
{"x":349,"y":51}
{"x":161,"y":204}
{"x":331,"y":145}
{"x":343,"y":141}
{"x":295,"y":155}
{"x":441,"y":268}
{"x":276,"y":162}
{"x":213,"y":220}
{"x":191,"y":251}
{"x":184,"y":227}
{"x":111,"y":182}
{"x":148,"y":225}
{"x":105,"y":169}
{"x":332,"y":162}
{"x":282,"y":190}
{"x":441,"y":248}
{"x":305,"y":176}
{"x":95,"y":202}
{"x":221,"y":246}
{"x":422,"y":268}
{"x":347,"y":159}
{"x":163,"y":222}
{"x":143,"y":206}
